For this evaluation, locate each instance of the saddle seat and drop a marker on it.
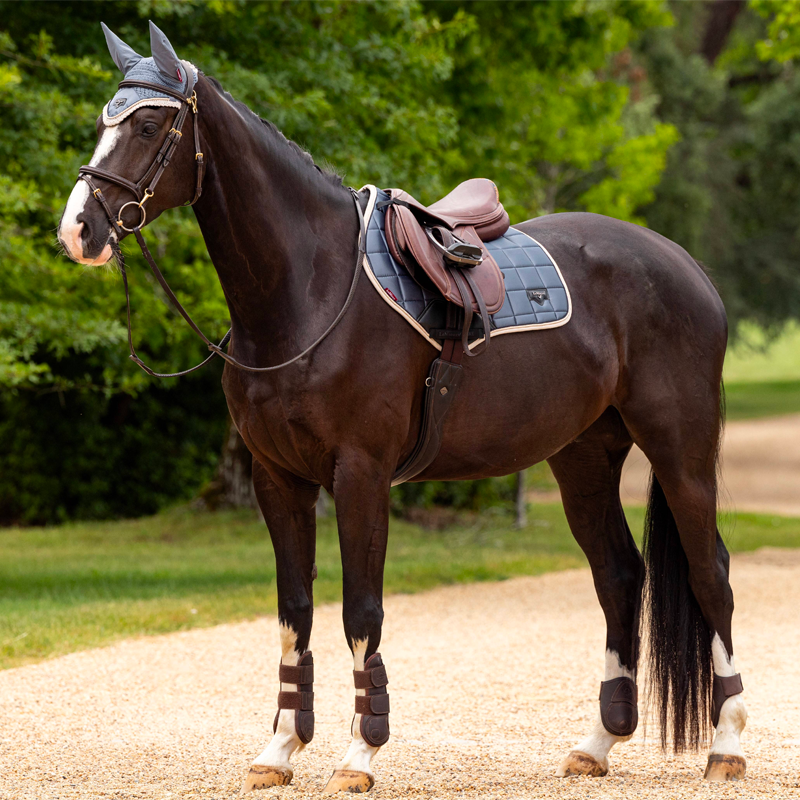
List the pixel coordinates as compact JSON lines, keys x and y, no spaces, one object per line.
{"x":472,"y":213}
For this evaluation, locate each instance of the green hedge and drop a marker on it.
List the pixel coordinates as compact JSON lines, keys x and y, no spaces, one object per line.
{"x":88,"y":456}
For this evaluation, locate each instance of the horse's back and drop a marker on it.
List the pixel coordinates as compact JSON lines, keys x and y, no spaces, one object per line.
{"x":639,"y":281}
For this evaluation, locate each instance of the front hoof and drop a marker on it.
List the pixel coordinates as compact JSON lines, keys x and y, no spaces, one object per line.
{"x":725,"y":768}
{"x":577,"y":763}
{"x":348,"y":780}
{"x":261,"y":777}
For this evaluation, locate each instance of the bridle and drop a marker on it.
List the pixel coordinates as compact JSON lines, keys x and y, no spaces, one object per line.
{"x":145,"y":189}
{"x":146,"y":186}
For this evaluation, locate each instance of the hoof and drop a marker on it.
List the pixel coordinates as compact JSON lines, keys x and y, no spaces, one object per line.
{"x":577,"y":763}
{"x":261,"y":777}
{"x":348,"y":780}
{"x":725,"y":768}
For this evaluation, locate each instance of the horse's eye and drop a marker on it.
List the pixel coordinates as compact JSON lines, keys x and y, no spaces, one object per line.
{"x":149,"y":129}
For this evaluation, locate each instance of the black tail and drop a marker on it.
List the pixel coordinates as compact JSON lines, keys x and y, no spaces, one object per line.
{"x":679,"y":658}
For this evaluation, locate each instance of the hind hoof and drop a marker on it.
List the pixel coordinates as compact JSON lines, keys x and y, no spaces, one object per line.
{"x":261,"y":777}
{"x":725,"y":768}
{"x":348,"y":780}
{"x":577,"y":763}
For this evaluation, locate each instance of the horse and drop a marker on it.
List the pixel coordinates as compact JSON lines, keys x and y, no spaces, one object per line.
{"x":640,"y":361}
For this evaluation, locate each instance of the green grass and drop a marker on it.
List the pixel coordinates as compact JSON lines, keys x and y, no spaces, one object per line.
{"x":753,"y":358}
{"x":762,"y":377}
{"x":83,"y":585}
{"x":763,"y":399}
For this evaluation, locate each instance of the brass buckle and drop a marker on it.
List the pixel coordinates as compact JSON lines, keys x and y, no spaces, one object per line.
{"x":96,"y":192}
{"x":175,"y":130}
{"x":192,"y":101}
{"x":198,"y":156}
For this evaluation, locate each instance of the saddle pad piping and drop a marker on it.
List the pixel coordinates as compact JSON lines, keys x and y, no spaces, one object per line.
{"x":497,"y":332}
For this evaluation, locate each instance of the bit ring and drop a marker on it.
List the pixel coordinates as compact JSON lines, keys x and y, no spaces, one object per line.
{"x":141,"y":221}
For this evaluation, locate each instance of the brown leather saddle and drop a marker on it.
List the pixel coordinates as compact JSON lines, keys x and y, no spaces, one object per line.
{"x":443,"y":243}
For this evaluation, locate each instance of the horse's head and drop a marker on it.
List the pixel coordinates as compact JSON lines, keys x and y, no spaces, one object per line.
{"x":133,"y":135}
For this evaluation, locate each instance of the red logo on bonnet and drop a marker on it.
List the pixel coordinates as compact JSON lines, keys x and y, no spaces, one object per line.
{"x":391,"y":294}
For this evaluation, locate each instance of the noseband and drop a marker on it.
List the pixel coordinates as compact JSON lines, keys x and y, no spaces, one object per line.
{"x":144,"y":190}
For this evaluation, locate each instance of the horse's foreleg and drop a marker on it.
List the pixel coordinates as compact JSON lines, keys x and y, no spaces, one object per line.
{"x":588,"y":473}
{"x":361,"y":492}
{"x":289,"y":508}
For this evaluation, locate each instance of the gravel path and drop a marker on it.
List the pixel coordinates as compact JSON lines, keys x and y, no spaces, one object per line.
{"x":181,"y":715}
{"x":761,"y":467}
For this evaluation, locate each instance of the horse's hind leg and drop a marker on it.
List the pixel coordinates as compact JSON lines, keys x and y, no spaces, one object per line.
{"x":289,"y":508}
{"x":588,"y":473}
{"x":690,"y":602}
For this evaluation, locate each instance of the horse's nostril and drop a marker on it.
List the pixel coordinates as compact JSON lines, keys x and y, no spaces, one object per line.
{"x":78,"y":237}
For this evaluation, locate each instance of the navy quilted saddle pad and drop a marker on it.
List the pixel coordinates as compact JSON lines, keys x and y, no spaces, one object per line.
{"x":536,"y":295}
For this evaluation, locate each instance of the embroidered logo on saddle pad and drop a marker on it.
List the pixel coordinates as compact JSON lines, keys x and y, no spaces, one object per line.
{"x":539,"y":296}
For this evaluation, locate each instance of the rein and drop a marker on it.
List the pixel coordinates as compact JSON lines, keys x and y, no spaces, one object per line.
{"x":144,"y":190}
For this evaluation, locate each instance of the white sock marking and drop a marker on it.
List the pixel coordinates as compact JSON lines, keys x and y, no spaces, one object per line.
{"x":733,"y":715}
{"x":285,"y":742}
{"x":359,"y":754}
{"x":599,"y":742}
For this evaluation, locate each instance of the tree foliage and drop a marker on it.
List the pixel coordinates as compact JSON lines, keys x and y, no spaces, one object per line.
{"x":731,"y":189}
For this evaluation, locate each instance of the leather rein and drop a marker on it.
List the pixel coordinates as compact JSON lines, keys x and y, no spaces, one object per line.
{"x":144,"y":190}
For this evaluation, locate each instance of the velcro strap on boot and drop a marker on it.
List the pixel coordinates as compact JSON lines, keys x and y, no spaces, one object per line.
{"x":297,"y":675}
{"x":724,"y":687}
{"x":372,"y":704}
{"x":303,"y":701}
{"x":369,"y":678}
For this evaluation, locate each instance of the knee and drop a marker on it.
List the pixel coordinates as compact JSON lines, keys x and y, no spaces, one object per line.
{"x":295,"y":608}
{"x":363,"y":616}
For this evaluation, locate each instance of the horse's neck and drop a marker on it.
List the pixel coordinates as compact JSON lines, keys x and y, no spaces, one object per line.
{"x":280,"y":235}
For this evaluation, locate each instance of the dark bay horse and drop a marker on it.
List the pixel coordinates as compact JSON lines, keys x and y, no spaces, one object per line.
{"x":639,"y":362}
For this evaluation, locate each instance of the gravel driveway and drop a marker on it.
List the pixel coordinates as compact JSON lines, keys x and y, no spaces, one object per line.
{"x":181,"y":715}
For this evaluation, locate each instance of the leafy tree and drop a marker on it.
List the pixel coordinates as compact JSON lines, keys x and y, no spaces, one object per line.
{"x":731,"y":189}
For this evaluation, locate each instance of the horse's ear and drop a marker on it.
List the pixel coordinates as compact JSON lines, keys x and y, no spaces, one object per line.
{"x":124,"y":57}
{"x":164,"y":55}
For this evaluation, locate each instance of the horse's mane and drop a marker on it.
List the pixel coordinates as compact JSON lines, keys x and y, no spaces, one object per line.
{"x":277,"y":135}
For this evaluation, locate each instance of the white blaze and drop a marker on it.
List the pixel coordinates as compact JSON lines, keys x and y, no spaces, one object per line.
{"x":69,"y":232}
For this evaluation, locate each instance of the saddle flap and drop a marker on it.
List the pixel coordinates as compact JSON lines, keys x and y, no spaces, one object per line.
{"x":410,"y":246}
